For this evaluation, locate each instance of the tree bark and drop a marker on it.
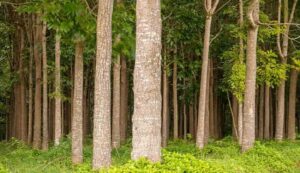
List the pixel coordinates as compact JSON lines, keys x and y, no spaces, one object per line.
{"x":146,"y":132}
{"x":102,"y":96}
{"x":58,"y":112}
{"x":124,"y":99}
{"x":77,"y":123}
{"x":267,"y":113}
{"x":45,"y":89}
{"x":38,"y":78}
{"x":292,"y":105}
{"x":175,"y":102}
{"x":116,"y":140}
{"x":261,"y":112}
{"x":165,"y":111}
{"x":210,"y":9}
{"x":249,"y":103}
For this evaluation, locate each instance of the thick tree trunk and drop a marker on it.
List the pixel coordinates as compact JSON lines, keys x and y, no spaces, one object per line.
{"x":45,"y":89}
{"x":58,"y":112}
{"x":267,"y":113}
{"x":38,"y":80}
{"x":146,"y":132}
{"x":124,"y":100}
{"x":261,"y":112}
{"x":175,"y":102}
{"x":165,"y":111}
{"x":116,"y":140}
{"x":200,"y":140}
{"x":279,"y":126}
{"x":102,"y":95}
{"x":249,"y":103}
{"x":77,"y":123}
{"x":292,"y":105}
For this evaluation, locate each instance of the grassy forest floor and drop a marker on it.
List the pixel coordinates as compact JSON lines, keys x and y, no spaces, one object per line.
{"x":179,"y":156}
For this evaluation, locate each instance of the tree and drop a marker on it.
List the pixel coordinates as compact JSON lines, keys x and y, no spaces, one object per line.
{"x":77,"y":145}
{"x":248,"y":137}
{"x":210,"y":10}
{"x":102,"y":95}
{"x":146,"y":130}
{"x":58,"y":118}
{"x":38,"y":78}
{"x":45,"y":88}
{"x":283,"y":53}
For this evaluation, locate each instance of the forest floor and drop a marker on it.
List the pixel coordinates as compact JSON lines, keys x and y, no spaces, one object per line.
{"x":180,"y":156}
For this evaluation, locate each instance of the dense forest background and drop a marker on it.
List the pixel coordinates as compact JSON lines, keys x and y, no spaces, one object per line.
{"x":148,"y":72}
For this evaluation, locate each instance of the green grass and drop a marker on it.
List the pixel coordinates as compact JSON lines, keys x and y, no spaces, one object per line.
{"x":179,"y":156}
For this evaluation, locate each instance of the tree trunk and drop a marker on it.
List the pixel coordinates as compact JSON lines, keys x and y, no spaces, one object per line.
{"x":146,"y":131}
{"x":165,"y":111}
{"x":175,"y":102}
{"x":77,"y":123}
{"x":292,"y":105}
{"x":124,"y":99}
{"x":58,"y":118}
{"x":283,"y":52}
{"x":38,"y":78}
{"x":261,"y":112}
{"x":235,"y":109}
{"x":30,"y":94}
{"x":267,"y":113}
{"x":102,"y":95}
{"x":191,"y":120}
{"x":116,"y":140}
{"x":240,"y":123}
{"x":249,"y":103}
{"x":45,"y":89}
{"x":207,"y":113}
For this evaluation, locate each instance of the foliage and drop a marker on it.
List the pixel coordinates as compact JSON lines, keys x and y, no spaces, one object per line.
{"x":179,"y":156}
{"x":269,"y":70}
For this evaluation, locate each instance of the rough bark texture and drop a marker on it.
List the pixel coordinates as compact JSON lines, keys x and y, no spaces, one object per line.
{"x":261,"y":112}
{"x":102,"y":96}
{"x":267,"y":113}
{"x":116,"y":140}
{"x":38,"y":80}
{"x":292,"y":105}
{"x":124,"y":100}
{"x":45,"y":89}
{"x":57,"y":119}
{"x":175,"y":102}
{"x":249,"y":103}
{"x":77,"y":145}
{"x":30,"y":91}
{"x":165,"y":109}
{"x":146,"y":132}
{"x":200,"y":139}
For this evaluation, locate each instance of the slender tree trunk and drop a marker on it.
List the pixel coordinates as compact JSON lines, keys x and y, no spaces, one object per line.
{"x":249,"y":104}
{"x":23,"y":118}
{"x":165,"y":111}
{"x":45,"y":89}
{"x":175,"y":102}
{"x":30,"y":94}
{"x":240,"y":123}
{"x":77,"y":123}
{"x":267,"y":113}
{"x":292,"y":105}
{"x":235,"y":109}
{"x":261,"y":112}
{"x":207,"y":113}
{"x":38,"y":80}
{"x":116,"y":140}
{"x":191,"y":120}
{"x":210,"y":9}
{"x":58,"y":112}
{"x":211,"y":101}
{"x":283,"y":52}
{"x":146,"y":132}
{"x":124,"y":99}
{"x":102,"y":95}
